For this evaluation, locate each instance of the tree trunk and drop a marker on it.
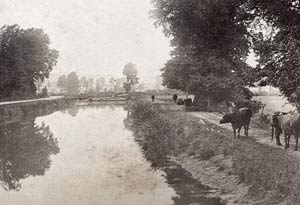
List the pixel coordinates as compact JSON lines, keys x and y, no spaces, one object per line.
{"x":211,"y":103}
{"x":199,"y":100}
{"x":205,"y":102}
{"x":186,"y":93}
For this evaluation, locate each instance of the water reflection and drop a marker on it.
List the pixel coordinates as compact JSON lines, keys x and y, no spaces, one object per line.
{"x":99,"y":163}
{"x":73,"y":111}
{"x":25,"y":150}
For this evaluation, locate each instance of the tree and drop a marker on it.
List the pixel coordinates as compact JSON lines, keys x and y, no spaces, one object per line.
{"x":127,"y":87}
{"x":112,"y":81}
{"x":62,"y":82}
{"x":73,"y":83}
{"x":210,"y":41}
{"x":26,"y":151}
{"x":84,"y":83}
{"x":130,"y":72}
{"x":91,"y":83}
{"x":278,"y":49}
{"x":25,"y":57}
{"x":100,"y":83}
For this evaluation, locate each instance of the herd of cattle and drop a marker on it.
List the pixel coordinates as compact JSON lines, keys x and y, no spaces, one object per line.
{"x":281,"y":122}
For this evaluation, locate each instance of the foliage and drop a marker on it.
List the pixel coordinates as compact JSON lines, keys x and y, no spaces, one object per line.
{"x":275,"y":33}
{"x":151,"y":134}
{"x":271,"y":174}
{"x":44,"y":93}
{"x":211,"y":43}
{"x":25,"y":57}
{"x":100,"y":83}
{"x":70,"y":83}
{"x":130,"y":72}
{"x":84,"y":83}
{"x":61,"y":82}
{"x":25,"y":151}
{"x":127,"y":87}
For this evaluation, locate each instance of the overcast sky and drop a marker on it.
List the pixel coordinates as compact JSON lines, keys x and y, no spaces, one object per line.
{"x":95,"y":37}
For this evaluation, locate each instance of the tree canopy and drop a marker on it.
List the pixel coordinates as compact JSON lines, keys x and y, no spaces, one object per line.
{"x":130,"y":72}
{"x":25,"y":57}
{"x":212,"y":38}
{"x":279,"y":48}
{"x":211,"y":43}
{"x":70,"y":83}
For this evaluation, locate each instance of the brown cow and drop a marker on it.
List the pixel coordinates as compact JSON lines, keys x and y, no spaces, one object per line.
{"x":238,"y":119}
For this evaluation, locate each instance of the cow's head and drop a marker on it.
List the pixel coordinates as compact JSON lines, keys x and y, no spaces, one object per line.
{"x":228,"y":117}
{"x":274,"y":118}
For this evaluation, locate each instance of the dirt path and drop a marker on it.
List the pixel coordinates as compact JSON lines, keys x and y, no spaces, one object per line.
{"x":33,"y":100}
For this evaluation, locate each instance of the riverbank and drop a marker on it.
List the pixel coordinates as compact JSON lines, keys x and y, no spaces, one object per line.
{"x":241,"y":171}
{"x":14,"y":111}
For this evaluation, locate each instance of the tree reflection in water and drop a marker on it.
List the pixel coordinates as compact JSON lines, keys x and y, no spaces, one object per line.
{"x":25,"y":150}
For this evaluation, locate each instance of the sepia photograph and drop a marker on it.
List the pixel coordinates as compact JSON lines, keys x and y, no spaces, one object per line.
{"x":149,"y":102}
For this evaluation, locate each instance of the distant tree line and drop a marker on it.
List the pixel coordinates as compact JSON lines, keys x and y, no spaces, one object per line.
{"x":71,"y":84}
{"x":25,"y":58}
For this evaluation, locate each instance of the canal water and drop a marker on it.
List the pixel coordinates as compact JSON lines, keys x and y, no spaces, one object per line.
{"x":84,"y":155}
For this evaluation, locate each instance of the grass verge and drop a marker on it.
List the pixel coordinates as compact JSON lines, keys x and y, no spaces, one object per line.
{"x":272,"y":174}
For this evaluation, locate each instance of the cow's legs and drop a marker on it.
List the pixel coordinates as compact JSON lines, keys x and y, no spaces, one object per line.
{"x":239,"y":131}
{"x":234,"y":133}
{"x":277,"y":135}
{"x":247,"y":130}
{"x":289,"y":138}
{"x":286,"y":141}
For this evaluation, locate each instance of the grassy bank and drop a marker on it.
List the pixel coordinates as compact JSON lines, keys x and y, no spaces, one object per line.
{"x":272,"y":174}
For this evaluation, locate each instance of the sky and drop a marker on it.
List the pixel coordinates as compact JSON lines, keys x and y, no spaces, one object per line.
{"x":95,"y":37}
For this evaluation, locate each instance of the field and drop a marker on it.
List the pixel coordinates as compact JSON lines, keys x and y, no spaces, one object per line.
{"x":275,"y":103}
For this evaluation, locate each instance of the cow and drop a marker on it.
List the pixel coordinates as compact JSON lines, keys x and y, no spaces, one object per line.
{"x":180,"y":102}
{"x":175,"y":96}
{"x":238,"y":119}
{"x":153,"y":98}
{"x":290,"y":125}
{"x":276,"y":127}
{"x":188,"y":102}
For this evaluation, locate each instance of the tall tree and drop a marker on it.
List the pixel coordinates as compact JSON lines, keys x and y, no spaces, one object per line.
{"x":100,"y":83}
{"x":130,"y":72}
{"x":91,"y":83}
{"x":84,"y":83}
{"x":62,"y":82}
{"x":277,"y":49}
{"x":25,"y":57}
{"x":73,"y":83}
{"x":211,"y":43}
